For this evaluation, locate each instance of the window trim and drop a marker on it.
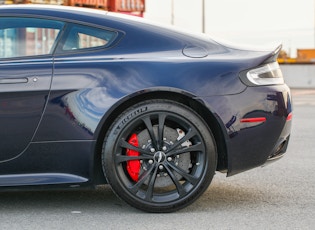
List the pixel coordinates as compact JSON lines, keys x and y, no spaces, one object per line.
{"x":59,"y":51}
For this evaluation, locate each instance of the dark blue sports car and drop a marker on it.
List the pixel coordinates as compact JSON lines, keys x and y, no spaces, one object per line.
{"x":89,"y":97}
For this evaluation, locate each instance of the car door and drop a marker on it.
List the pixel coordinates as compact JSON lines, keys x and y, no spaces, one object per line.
{"x":79,"y":89}
{"x":26,"y":65}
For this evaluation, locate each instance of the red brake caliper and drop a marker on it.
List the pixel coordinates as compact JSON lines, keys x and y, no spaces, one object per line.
{"x":133,"y":166}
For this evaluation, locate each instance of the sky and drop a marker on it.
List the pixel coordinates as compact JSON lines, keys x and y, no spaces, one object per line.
{"x":250,"y":22}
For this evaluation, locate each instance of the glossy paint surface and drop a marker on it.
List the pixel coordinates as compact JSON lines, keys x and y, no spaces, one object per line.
{"x":54,"y":109}
{"x":22,"y":102}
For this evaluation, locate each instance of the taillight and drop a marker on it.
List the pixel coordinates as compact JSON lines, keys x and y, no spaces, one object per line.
{"x":268,"y":74}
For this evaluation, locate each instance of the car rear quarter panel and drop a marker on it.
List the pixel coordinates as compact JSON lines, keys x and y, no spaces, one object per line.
{"x":249,"y":146}
{"x":83,"y":90}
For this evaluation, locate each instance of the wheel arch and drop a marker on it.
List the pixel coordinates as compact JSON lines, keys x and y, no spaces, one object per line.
{"x":180,"y":96}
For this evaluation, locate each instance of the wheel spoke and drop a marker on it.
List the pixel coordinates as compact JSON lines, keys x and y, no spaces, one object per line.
{"x":124,"y":144}
{"x":143,"y":177}
{"x":123,"y":158}
{"x":148,"y":124}
{"x":191,"y":179}
{"x":178,"y":185}
{"x":191,"y":133}
{"x":149,"y":193}
{"x":193,"y":148}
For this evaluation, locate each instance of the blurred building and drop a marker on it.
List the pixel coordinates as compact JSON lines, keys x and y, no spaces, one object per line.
{"x":304,"y":56}
{"x":134,"y":7}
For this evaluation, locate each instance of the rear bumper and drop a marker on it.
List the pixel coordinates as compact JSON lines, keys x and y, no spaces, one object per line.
{"x":282,"y":143}
{"x":252,"y":144}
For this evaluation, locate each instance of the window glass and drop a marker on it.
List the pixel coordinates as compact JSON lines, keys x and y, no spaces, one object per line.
{"x":83,"y":37}
{"x":20,"y":37}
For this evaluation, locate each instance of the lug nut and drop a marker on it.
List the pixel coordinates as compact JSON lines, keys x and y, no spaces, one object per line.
{"x":169,"y":159}
{"x":150,"y":162}
{"x":152,"y":150}
{"x":164,"y":148}
{"x":161,"y":167}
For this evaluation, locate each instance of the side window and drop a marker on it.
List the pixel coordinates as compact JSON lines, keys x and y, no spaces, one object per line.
{"x":20,"y":37}
{"x":84,"y":37}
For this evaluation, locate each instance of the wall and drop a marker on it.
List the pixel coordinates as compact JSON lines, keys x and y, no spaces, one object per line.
{"x":299,"y":76}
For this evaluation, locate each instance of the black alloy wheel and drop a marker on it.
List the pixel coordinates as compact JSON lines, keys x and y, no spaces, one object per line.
{"x":159,"y":156}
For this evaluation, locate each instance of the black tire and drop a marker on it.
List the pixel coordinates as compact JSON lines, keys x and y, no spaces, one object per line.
{"x":176,"y":153}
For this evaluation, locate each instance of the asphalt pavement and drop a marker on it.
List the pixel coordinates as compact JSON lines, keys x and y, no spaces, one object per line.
{"x":278,"y":196}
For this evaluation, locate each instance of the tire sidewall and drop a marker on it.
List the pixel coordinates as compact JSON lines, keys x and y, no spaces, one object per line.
{"x":123,"y":123}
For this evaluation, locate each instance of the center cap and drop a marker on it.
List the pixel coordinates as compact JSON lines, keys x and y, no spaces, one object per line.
{"x":159,"y":156}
